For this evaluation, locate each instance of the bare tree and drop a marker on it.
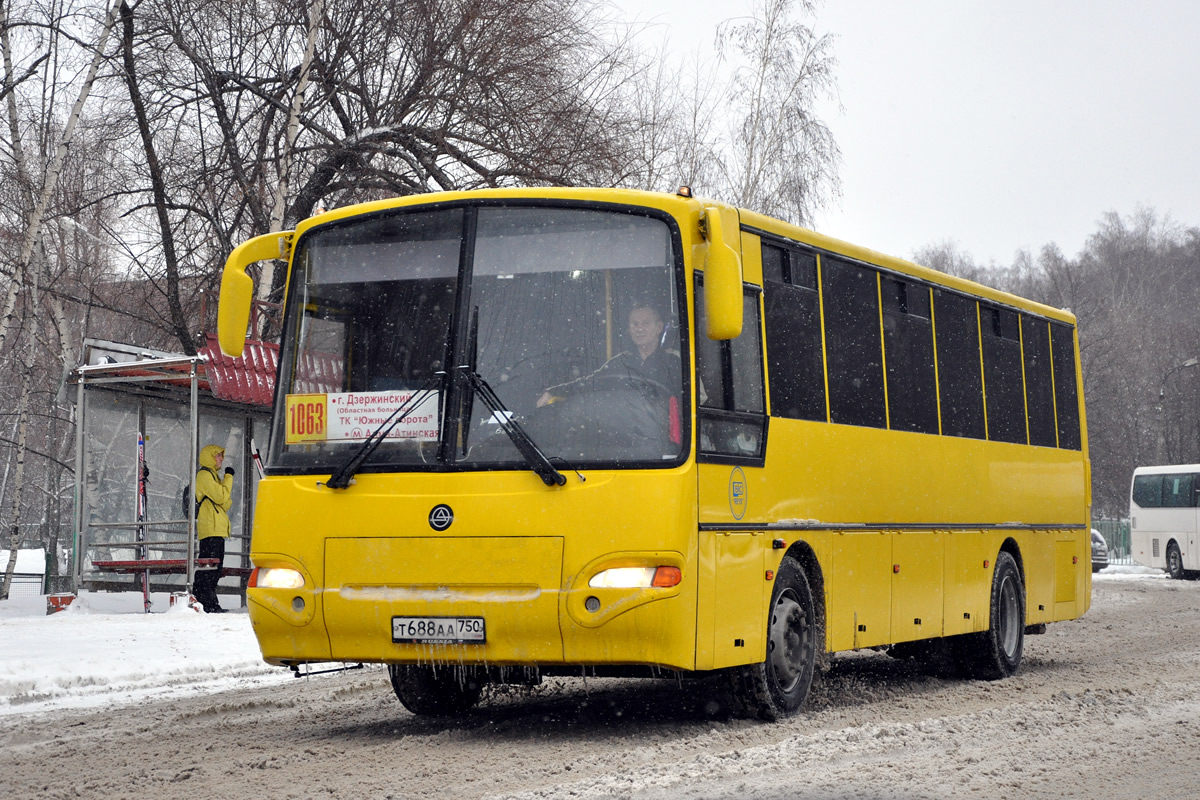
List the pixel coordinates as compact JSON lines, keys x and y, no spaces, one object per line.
{"x":1133,"y":289}
{"x":400,"y":98}
{"x":28,"y":267}
{"x":780,"y":158}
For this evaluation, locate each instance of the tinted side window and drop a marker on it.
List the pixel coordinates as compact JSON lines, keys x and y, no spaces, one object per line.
{"x":802,"y":269}
{"x":1039,"y":388}
{"x":959,"y":377}
{"x":1147,"y":491}
{"x":851,"y":296}
{"x":1002,"y":381}
{"x":710,"y":364}
{"x":1066,"y":401}
{"x":794,"y":357}
{"x":1177,"y":491}
{"x":773,"y":263}
{"x":746,"y":358}
{"x":732,"y":425}
{"x":908,"y":343}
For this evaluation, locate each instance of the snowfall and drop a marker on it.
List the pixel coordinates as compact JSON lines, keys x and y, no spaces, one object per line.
{"x":104,"y":650}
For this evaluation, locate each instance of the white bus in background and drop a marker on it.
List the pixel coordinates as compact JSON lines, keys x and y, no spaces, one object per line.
{"x":1163,"y":518}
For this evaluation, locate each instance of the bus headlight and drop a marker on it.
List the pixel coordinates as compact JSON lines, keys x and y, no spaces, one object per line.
{"x":636,"y":578}
{"x":276,"y":578}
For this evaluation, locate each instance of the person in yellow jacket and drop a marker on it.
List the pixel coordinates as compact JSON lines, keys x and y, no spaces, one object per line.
{"x":214,"y":496}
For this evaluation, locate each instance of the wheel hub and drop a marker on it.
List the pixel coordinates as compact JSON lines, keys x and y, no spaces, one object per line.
{"x":1009,"y":622}
{"x":786,"y":644}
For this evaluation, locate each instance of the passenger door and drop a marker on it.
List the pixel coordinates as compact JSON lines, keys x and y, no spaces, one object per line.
{"x":732,"y":419}
{"x":1191,"y":559}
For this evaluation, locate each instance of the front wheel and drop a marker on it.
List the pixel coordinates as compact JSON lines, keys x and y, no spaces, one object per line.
{"x":778,"y":687}
{"x":1174,"y":562}
{"x":996,"y":652}
{"x":436,"y":691}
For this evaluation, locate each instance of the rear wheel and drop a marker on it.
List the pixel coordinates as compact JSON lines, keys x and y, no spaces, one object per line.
{"x":996,"y":652}
{"x":778,"y":687}
{"x":436,"y":691}
{"x":1174,"y":562}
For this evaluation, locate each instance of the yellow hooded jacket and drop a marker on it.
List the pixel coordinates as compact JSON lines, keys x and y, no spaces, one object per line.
{"x":215,"y":495}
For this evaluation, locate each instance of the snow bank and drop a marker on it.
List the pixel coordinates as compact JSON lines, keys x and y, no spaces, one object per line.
{"x":104,"y":650}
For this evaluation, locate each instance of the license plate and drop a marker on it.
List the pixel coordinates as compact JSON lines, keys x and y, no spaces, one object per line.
{"x":438,"y":629}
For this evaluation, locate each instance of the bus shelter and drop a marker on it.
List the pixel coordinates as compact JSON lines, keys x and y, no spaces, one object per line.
{"x":141,"y":419}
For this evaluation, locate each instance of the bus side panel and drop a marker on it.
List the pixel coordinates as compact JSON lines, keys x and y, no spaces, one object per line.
{"x":1037,"y":557}
{"x":1066,"y":581}
{"x":833,"y":474}
{"x":860,"y":603}
{"x":969,"y":557}
{"x":731,"y":627}
{"x":1192,"y":559}
{"x":917,"y":584}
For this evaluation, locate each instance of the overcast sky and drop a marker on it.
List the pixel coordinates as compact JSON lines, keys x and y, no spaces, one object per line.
{"x":999,"y":125}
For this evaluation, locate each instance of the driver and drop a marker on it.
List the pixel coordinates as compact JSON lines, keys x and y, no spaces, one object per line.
{"x":648,"y":362}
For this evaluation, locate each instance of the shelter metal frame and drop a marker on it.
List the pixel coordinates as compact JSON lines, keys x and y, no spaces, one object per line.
{"x":181,"y":370}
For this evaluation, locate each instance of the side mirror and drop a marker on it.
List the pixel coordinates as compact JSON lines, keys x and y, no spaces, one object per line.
{"x":237,"y":288}
{"x":722,"y":275}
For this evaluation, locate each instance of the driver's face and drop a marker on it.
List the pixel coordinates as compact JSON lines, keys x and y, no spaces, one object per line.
{"x":645,"y":327}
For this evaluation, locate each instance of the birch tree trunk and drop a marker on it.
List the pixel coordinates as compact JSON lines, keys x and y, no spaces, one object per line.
{"x":33,"y":228}
{"x":316,"y":10}
{"x":14,"y":533}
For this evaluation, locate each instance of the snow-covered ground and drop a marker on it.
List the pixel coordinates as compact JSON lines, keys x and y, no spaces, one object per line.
{"x":103,"y":650}
{"x":105,"y":701}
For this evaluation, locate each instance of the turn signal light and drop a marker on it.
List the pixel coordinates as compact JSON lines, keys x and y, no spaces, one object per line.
{"x":666,"y":577}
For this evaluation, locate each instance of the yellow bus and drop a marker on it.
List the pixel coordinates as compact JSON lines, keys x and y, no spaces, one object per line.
{"x":529,"y":432}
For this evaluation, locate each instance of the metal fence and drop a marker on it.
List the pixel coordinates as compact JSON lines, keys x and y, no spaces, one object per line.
{"x":24,"y":585}
{"x":1116,"y":535}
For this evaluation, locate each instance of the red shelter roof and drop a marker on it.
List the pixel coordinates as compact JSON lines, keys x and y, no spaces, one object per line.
{"x":249,"y":378}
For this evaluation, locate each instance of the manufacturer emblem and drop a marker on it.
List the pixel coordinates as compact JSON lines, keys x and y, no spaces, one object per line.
{"x":441,"y":517}
{"x":739,"y":493}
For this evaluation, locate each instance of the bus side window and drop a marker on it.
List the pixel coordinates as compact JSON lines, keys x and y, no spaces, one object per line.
{"x":795,"y":361}
{"x":908,"y":342}
{"x":733,"y":421}
{"x":1002,"y":374}
{"x":1147,"y":491}
{"x":1039,"y":390}
{"x":1177,"y":491}
{"x":854,"y":350}
{"x":1066,"y":400}
{"x":957,"y":331}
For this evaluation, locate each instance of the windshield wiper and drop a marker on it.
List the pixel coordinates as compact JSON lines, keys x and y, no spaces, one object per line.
{"x":341,"y":478}
{"x":534,"y":457}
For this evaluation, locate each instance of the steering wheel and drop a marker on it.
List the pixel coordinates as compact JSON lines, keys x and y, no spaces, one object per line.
{"x":625,"y":381}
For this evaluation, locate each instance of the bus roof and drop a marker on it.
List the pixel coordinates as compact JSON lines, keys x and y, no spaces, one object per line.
{"x":677,"y":203}
{"x":1166,"y":469}
{"x":892,"y":263}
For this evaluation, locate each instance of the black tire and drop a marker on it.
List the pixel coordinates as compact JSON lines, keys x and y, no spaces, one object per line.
{"x":996,"y":652}
{"x":778,"y":687}
{"x":436,"y":691}
{"x":1174,"y":562}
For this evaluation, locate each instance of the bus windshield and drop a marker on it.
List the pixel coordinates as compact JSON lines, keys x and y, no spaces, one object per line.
{"x":570,"y":316}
